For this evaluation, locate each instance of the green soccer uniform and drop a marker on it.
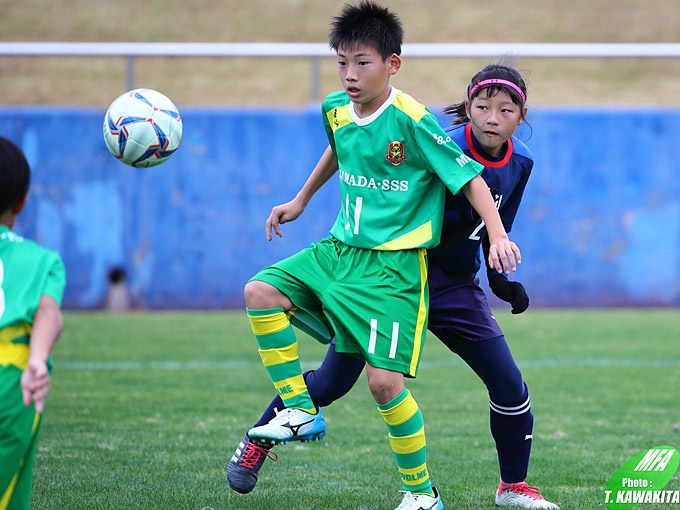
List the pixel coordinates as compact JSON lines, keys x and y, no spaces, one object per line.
{"x":369,"y":279}
{"x":27,"y":272}
{"x":393,"y":167}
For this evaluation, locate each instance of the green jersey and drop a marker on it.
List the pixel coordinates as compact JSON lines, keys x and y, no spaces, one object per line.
{"x":393,"y":166}
{"x":27,"y":272}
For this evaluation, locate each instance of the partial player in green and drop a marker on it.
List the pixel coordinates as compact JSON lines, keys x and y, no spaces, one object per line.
{"x":367,"y":281}
{"x":32,"y":281}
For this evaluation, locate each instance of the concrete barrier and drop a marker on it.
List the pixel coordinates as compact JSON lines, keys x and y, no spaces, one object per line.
{"x":599,"y":225}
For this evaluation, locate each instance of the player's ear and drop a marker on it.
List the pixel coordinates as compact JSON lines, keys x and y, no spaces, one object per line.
{"x":394,"y":62}
{"x":467,"y":108}
{"x":523,"y":116}
{"x":20,"y":206}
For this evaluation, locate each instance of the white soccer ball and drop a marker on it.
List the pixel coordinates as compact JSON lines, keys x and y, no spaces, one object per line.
{"x":142,"y":128}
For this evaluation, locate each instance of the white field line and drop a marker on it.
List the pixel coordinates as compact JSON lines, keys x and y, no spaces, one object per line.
{"x":307,"y":365}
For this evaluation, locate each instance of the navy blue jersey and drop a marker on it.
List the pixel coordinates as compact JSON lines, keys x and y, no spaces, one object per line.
{"x":463,"y":230}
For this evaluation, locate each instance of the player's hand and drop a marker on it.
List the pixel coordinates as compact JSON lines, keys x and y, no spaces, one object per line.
{"x":35,"y":383}
{"x":282,"y":214}
{"x":511,"y":292}
{"x":504,"y":256}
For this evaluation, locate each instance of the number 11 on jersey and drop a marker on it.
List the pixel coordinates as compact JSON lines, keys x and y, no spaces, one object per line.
{"x":357,"y":213}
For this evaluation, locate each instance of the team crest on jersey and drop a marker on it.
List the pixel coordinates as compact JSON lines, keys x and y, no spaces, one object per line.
{"x":395,"y":153}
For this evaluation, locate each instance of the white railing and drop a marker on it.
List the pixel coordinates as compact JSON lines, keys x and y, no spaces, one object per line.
{"x":316,"y":51}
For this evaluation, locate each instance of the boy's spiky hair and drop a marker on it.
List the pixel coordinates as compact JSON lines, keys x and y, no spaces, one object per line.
{"x":367,"y":23}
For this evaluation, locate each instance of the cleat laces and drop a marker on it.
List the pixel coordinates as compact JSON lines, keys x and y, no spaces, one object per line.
{"x":524,"y":489}
{"x":254,"y":453}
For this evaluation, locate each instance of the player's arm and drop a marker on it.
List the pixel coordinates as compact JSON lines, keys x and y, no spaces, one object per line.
{"x":504,"y":255}
{"x":47,"y":325}
{"x":324,"y":170}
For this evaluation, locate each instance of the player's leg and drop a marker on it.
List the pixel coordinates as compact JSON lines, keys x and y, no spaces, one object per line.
{"x":406,"y":431}
{"x":271,"y":297}
{"x":511,"y":420}
{"x":336,"y":375}
{"x":268,"y":299}
{"x":382,"y":318}
{"x":461,"y":318}
{"x":278,"y":348}
{"x":299,"y":420}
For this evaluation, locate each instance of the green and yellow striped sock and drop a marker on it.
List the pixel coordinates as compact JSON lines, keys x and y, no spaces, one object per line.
{"x":407,"y":437}
{"x":278,"y":350}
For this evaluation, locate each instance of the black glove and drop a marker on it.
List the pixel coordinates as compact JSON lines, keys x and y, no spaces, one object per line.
{"x":512,"y":292}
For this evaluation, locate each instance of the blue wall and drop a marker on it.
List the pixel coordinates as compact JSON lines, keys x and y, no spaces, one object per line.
{"x":599,"y":226}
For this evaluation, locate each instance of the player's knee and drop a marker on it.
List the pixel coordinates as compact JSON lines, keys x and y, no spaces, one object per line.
{"x":260,"y":295}
{"x":509,"y":389}
{"x":384,"y":385}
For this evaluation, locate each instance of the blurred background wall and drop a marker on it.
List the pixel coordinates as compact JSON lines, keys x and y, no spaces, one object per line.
{"x":599,"y":224}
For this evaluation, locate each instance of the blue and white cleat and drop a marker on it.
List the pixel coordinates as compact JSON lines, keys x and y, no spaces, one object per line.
{"x":421,"y":501}
{"x":289,"y":425}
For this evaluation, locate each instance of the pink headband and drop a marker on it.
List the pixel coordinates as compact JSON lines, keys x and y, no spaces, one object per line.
{"x":495,"y":81}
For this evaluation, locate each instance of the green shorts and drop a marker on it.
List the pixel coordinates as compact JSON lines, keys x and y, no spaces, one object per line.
{"x":376,"y":302}
{"x":19,"y":433}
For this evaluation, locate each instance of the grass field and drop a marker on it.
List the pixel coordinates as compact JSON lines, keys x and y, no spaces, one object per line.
{"x":147,"y":408}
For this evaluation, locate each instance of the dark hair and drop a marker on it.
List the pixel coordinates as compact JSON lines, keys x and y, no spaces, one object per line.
{"x":492,"y":71}
{"x":15,"y":175}
{"x":367,"y":24}
{"x":117,"y":275}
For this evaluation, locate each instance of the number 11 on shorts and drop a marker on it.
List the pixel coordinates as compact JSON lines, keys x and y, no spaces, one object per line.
{"x":374,"y":335}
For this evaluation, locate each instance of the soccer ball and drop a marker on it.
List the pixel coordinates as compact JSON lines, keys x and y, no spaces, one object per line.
{"x":142,"y":128}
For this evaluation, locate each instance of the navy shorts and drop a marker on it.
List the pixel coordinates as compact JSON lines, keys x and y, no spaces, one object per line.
{"x":459,"y":309}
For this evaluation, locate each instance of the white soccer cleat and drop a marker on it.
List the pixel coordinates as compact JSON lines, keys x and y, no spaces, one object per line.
{"x":289,"y":425}
{"x":521,"y":495}
{"x":421,"y":501}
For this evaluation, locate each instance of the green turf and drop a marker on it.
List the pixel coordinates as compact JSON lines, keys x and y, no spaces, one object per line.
{"x":147,"y":408}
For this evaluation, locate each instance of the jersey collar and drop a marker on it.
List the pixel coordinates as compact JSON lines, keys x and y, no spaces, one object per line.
{"x":365,"y":121}
{"x":483,"y":159}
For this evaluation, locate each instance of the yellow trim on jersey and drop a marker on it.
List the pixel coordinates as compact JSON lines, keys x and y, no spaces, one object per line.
{"x":268,"y":324}
{"x":279,"y":355}
{"x":422,"y":312}
{"x":417,"y":237}
{"x":11,"y":333}
{"x":410,"y":106}
{"x":14,"y":353}
{"x":339,"y":117}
